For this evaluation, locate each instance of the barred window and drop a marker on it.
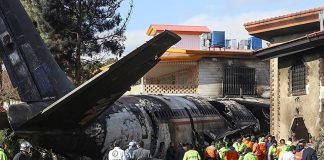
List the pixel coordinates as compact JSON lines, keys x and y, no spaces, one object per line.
{"x":237,"y":78}
{"x":298,"y":77}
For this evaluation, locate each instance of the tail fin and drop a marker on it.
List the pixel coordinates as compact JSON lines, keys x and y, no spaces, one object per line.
{"x":30,"y":65}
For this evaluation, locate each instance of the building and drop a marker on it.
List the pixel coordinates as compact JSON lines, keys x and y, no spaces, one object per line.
{"x":187,"y":69}
{"x":296,"y":59}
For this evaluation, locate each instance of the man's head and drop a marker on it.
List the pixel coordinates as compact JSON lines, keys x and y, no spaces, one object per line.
{"x":269,"y":138}
{"x":131,"y":144}
{"x":212,"y":143}
{"x":274,"y":143}
{"x":25,"y":147}
{"x":190,"y":146}
{"x":253,"y":139}
{"x":273,"y":138}
{"x":117,"y":143}
{"x":140,"y":144}
{"x":239,"y":140}
{"x":282,"y":142}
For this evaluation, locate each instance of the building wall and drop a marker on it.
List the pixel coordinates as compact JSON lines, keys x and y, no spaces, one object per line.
{"x":274,"y":102}
{"x":284,"y":105}
{"x":189,"y":42}
{"x":211,"y":74}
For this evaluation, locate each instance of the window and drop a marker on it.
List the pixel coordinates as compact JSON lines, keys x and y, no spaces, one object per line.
{"x":239,"y":78}
{"x":298,"y":78}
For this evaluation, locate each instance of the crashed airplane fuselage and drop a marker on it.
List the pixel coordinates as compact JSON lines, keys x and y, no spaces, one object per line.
{"x":84,"y":121}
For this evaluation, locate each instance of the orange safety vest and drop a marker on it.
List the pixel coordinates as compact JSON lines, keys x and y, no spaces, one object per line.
{"x":231,"y":155}
{"x":256,"y":149}
{"x":249,"y":145}
{"x":263,"y":149}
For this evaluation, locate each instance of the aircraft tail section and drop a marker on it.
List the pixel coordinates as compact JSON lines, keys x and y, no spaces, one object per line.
{"x":30,"y":65}
{"x":85,"y":103}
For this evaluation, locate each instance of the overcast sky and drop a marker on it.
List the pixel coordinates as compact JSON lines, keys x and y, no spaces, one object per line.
{"x":228,"y":15}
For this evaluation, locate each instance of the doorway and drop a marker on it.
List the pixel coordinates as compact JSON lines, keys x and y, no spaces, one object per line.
{"x":299,"y":129}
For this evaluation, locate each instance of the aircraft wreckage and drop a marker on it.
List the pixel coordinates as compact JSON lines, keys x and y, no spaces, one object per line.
{"x":84,"y":121}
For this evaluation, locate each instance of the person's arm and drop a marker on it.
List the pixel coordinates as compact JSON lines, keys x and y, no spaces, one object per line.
{"x":199,"y":158}
{"x":314,"y":156}
{"x":123,"y":155}
{"x":133,"y":155}
{"x":185,"y":156}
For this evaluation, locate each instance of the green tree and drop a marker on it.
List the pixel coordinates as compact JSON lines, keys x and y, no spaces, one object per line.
{"x":76,"y":28}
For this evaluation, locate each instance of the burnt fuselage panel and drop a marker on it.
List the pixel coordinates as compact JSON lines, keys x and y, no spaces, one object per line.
{"x":155,"y":119}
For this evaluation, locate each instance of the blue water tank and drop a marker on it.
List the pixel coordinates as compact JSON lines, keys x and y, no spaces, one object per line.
{"x":218,"y":39}
{"x":255,"y":43}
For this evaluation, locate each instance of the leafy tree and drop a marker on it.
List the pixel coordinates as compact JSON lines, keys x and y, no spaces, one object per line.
{"x":76,"y":28}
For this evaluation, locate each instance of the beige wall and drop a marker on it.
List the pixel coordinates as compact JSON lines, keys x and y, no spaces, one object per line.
{"x":284,"y":104}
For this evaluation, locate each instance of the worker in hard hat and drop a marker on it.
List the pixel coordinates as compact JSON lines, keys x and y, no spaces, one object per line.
{"x":24,"y":151}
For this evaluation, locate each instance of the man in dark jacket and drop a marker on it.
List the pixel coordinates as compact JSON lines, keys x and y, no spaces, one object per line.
{"x":180,"y":151}
{"x":141,"y":153}
{"x":24,"y":151}
{"x":309,"y":153}
{"x":171,"y":152}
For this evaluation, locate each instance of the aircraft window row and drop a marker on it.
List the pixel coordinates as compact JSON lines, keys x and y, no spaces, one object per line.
{"x":170,"y":114}
{"x":182,"y":113}
{"x":245,"y":117}
{"x":208,"y":111}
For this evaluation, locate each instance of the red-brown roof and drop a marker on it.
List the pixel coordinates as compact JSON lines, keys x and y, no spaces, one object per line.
{"x":184,"y":29}
{"x":302,"y":22}
{"x":285,"y":16}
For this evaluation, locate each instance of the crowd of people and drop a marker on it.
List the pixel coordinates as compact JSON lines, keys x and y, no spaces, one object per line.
{"x":135,"y":151}
{"x":246,"y":148}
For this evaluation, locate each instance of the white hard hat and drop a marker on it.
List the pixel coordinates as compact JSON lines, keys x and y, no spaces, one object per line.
{"x":25,"y":146}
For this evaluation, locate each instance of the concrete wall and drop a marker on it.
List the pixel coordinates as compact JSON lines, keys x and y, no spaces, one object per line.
{"x":211,"y":74}
{"x":189,"y":42}
{"x":285,"y":105}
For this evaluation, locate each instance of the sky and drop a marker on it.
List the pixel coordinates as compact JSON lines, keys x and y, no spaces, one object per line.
{"x":226,"y":15}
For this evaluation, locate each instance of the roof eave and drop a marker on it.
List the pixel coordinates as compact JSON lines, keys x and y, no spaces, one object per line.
{"x":292,"y":47}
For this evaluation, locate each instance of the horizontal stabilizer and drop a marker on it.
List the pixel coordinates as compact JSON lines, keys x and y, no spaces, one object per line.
{"x":86,"y":102}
